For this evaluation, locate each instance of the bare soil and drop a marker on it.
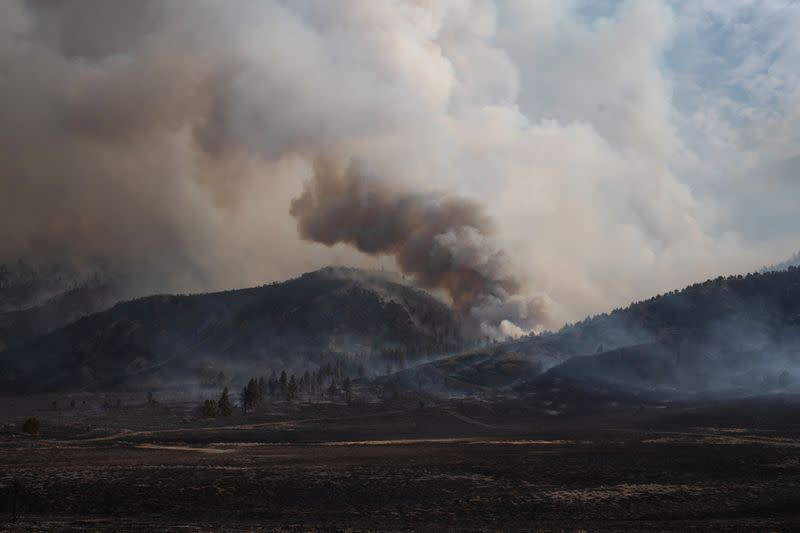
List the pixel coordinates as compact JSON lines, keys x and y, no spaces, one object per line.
{"x":401,"y":467}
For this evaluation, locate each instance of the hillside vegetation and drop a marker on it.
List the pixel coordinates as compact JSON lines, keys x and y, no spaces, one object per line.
{"x":370,"y":318}
{"x":737,"y":333}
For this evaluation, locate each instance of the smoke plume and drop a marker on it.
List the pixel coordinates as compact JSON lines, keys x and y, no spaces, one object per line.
{"x":170,"y":151}
{"x":184,"y":143}
{"x":444,"y":242}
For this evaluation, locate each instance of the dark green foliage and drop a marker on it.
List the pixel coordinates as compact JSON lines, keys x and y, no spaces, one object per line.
{"x":283,"y":382}
{"x":254,"y":392}
{"x":251,"y":395}
{"x":291,"y":388}
{"x":31,"y":426}
{"x":209,"y":409}
{"x":224,"y":405}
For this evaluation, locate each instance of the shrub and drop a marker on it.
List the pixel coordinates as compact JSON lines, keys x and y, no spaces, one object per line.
{"x":31,"y":426}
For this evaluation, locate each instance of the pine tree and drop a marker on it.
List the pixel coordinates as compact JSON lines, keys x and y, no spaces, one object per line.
{"x":347,"y":387}
{"x":283,"y":381}
{"x":224,"y":406}
{"x":332,"y":389}
{"x":262,"y":389}
{"x":250,"y":395}
{"x":291,"y":388}
{"x":209,"y":409}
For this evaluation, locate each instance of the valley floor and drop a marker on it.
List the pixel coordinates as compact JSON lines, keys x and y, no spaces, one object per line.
{"x":447,"y":466}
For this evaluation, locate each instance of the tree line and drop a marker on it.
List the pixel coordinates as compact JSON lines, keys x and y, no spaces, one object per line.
{"x":329,"y":381}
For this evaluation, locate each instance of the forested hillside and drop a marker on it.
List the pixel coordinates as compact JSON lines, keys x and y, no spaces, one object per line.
{"x":334,"y":312}
{"x":735,"y":333}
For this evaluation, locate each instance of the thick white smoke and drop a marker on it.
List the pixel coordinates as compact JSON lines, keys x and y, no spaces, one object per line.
{"x":170,"y":138}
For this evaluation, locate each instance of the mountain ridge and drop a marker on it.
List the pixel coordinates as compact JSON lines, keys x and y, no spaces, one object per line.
{"x":329,"y":311}
{"x":739,"y":332}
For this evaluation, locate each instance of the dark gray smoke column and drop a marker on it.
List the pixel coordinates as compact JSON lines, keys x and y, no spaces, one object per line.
{"x":445,"y":242}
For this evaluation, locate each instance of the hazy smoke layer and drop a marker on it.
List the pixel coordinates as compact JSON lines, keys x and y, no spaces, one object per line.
{"x":150,"y":131}
{"x":168,"y":140}
{"x":445,"y":242}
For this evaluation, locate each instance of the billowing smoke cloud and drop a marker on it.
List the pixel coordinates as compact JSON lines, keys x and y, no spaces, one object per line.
{"x":150,"y":134}
{"x":445,"y":242}
{"x":124,"y":141}
{"x":169,"y":140}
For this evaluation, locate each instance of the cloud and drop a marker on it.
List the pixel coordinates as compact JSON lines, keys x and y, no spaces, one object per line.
{"x":604,"y":152}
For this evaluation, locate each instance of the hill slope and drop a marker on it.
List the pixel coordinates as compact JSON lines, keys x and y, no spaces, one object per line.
{"x":20,"y":326}
{"x":25,"y":285}
{"x":358,"y":315}
{"x":738,"y":334}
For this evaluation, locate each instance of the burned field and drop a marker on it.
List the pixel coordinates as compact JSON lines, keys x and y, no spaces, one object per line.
{"x":403,"y":466}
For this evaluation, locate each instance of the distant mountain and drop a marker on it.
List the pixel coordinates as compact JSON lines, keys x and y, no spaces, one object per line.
{"x":364,"y":318}
{"x":18,"y":327}
{"x":740,"y":333}
{"x":38,"y":297}
{"x":26,"y":284}
{"x":738,"y":310}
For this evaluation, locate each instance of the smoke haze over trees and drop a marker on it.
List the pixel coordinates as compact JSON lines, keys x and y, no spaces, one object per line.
{"x":363,"y":318}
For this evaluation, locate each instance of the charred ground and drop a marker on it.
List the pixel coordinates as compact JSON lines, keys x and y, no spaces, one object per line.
{"x":399,"y":465}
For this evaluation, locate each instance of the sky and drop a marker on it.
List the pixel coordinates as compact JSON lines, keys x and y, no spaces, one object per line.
{"x":574,"y":155}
